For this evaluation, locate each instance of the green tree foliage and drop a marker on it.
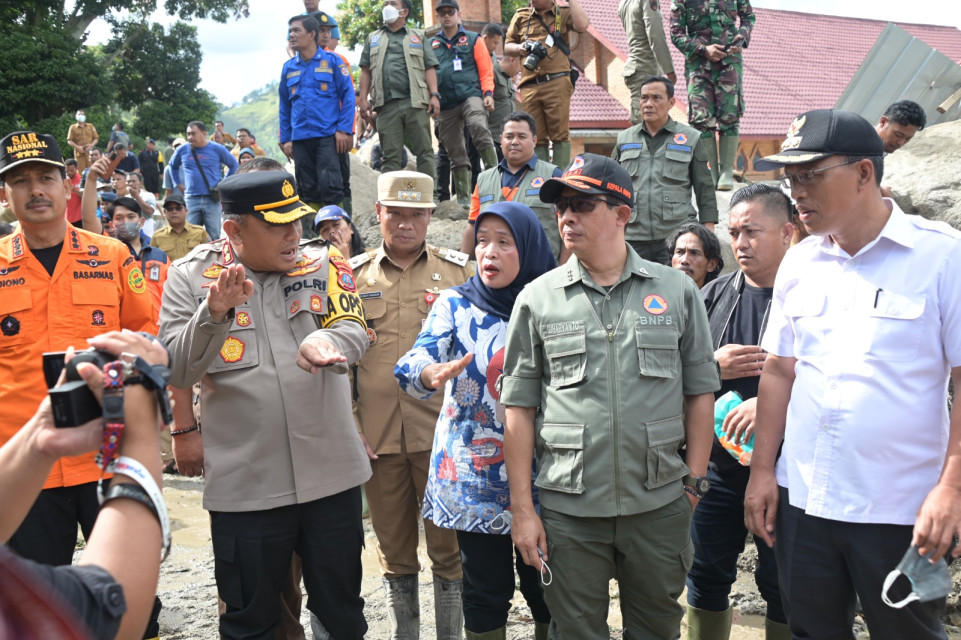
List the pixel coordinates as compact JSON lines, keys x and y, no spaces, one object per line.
{"x":509,"y":7}
{"x":158,"y":73}
{"x":357,"y":18}
{"x":48,"y":71}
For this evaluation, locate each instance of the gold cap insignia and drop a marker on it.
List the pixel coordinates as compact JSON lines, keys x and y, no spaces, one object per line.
{"x":287,"y":189}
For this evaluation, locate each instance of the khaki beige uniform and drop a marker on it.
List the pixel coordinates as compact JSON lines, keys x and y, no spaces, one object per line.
{"x":82,"y":134}
{"x":548,"y":101}
{"x":178,"y":245}
{"x":399,"y":427}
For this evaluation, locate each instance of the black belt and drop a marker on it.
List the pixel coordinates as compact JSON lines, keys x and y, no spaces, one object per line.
{"x":546,"y":78}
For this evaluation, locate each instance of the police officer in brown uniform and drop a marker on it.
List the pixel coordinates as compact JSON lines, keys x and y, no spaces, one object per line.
{"x":398,"y":281}
{"x":539,"y":35}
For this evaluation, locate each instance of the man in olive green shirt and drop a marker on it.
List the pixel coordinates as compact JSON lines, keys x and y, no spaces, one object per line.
{"x":398,"y":71}
{"x":616,"y":353}
{"x":666,"y":162}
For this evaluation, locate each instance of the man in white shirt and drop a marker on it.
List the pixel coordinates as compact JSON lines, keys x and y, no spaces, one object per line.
{"x":864,"y":330}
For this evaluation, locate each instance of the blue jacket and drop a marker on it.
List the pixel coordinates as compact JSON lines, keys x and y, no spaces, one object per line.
{"x":211,"y":157}
{"x":316,"y":97}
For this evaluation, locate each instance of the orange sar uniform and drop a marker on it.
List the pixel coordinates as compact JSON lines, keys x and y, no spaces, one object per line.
{"x":546,"y":91}
{"x":97,"y":286}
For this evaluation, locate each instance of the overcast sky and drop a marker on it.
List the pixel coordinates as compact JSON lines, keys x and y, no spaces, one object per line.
{"x":248,"y":54}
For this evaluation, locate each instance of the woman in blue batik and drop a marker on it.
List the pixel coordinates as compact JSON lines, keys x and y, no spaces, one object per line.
{"x":461,"y":347}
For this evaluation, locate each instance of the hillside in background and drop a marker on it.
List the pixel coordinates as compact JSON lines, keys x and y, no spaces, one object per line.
{"x":257,"y":112}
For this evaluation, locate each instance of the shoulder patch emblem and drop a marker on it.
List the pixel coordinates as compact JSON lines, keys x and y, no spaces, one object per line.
{"x":233,"y":350}
{"x":537,"y":182}
{"x":316,"y":303}
{"x":435,"y":43}
{"x":295,"y":306}
{"x":359,"y":260}
{"x":136,"y":281}
{"x":414,"y":38}
{"x":655,"y":304}
{"x":93,"y":250}
{"x":243,"y":319}
{"x":213,"y":271}
{"x":462,"y":40}
{"x":304,"y":266}
{"x":680,"y":138}
{"x":345,"y":277}
{"x":10,"y":326}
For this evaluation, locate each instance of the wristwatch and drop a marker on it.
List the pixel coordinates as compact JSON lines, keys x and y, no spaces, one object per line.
{"x":699,"y":484}
{"x":435,"y":95}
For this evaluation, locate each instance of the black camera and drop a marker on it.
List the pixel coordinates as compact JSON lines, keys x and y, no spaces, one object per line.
{"x":536,"y":51}
{"x":73,"y":402}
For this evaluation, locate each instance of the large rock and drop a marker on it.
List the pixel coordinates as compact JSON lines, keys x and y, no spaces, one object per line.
{"x":924,"y":174}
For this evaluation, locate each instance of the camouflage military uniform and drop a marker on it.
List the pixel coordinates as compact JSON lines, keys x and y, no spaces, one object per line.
{"x":715,"y":99}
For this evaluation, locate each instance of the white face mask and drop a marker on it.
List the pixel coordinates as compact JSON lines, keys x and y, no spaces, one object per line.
{"x":390,"y":14}
{"x":81,"y":117}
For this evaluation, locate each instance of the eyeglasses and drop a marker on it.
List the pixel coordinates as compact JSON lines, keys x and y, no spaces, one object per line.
{"x":443,"y":13}
{"x":173,"y":207}
{"x":579,"y":204}
{"x":808,"y":177}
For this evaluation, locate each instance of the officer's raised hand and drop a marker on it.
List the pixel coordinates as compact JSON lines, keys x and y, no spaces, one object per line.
{"x":318,"y":352}
{"x":229,"y":290}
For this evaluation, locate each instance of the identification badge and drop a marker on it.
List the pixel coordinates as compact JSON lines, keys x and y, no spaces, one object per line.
{"x":458,"y":65}
{"x":154,"y":274}
{"x":549,"y":41}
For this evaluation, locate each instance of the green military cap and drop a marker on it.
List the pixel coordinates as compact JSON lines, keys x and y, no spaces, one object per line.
{"x":268,"y":195}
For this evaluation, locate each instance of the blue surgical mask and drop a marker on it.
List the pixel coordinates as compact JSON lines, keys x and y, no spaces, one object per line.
{"x":929,"y":580}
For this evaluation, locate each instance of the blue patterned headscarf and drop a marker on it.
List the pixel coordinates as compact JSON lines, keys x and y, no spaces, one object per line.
{"x":533,"y":249}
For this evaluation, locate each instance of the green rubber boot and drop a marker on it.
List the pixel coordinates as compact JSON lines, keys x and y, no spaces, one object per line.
{"x":541,"y":630}
{"x":496,"y":634}
{"x":562,"y":154}
{"x":728,"y":156}
{"x":709,"y":142}
{"x":542,"y":153}
{"x":489,"y":156}
{"x":462,"y":186}
{"x":776,"y":630}
{"x":708,"y":625}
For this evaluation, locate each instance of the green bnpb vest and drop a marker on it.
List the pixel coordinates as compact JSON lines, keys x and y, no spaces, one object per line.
{"x":456,"y":86}
{"x":528,"y":192}
{"x":662,"y":182}
{"x":413,"y":56}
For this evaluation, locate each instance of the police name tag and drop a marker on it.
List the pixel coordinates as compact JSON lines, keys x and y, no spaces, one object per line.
{"x":458,"y":65}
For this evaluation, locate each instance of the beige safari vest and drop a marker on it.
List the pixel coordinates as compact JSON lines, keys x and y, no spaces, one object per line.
{"x":413,"y":55}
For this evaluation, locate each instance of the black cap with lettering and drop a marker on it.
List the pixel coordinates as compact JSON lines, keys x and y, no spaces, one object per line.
{"x":821,"y":133}
{"x":21,"y":147}
{"x":592,"y":174}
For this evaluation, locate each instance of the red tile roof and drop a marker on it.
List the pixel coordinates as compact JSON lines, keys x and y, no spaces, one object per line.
{"x":796,"y":61}
{"x":592,"y":107}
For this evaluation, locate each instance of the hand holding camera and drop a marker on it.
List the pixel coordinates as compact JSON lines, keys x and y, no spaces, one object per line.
{"x":536,"y":51}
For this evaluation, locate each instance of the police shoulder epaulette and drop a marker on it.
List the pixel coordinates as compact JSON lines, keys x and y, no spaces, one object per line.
{"x":201,"y":250}
{"x":450,"y":255}
{"x":360,"y":259}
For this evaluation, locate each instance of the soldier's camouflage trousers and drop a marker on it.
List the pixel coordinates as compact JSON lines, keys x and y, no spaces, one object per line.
{"x":715,"y":99}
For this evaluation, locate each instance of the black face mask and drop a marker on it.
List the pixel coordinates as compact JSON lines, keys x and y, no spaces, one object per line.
{"x":929,"y":581}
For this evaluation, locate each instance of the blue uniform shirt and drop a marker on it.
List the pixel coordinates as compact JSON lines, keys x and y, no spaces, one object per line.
{"x":316,"y":97}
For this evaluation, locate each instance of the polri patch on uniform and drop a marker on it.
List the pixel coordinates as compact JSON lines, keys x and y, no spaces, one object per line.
{"x":680,"y":138}
{"x":316,"y":303}
{"x":242,"y":319}
{"x":233,"y":350}
{"x":135,"y":281}
{"x":371,"y":335}
{"x":655,"y":304}
{"x":97,"y":319}
{"x":345,"y":276}
{"x":10,"y":326}
{"x":295,"y":306}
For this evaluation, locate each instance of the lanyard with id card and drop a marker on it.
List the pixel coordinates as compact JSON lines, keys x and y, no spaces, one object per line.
{"x":458,"y":65}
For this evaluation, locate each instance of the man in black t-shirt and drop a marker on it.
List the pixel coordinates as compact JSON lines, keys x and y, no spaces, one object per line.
{"x":737,"y":309}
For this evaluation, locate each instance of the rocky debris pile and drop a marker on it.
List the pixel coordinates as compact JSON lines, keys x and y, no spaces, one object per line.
{"x":924,"y":174}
